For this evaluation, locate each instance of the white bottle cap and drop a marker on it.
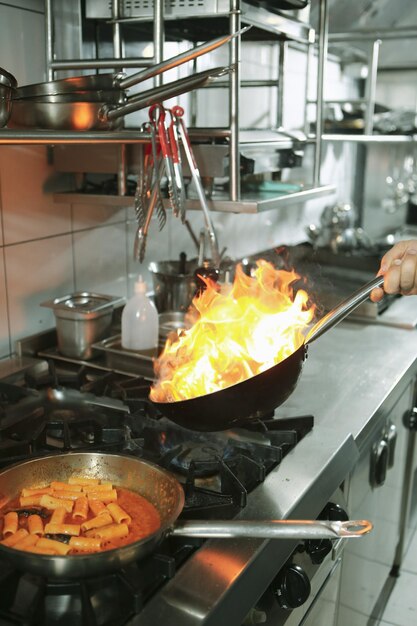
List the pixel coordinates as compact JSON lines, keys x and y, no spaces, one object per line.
{"x":140,"y":285}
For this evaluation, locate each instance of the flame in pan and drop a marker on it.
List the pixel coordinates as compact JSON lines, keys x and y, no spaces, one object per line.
{"x":235,"y":336}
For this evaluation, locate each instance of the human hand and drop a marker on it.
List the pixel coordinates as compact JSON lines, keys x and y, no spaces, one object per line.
{"x":399,"y":268}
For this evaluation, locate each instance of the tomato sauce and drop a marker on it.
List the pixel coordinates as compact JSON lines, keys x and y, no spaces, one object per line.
{"x":145,"y":518}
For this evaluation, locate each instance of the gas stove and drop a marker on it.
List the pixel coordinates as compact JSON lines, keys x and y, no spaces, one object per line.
{"x":276,"y":467}
{"x":55,"y":407}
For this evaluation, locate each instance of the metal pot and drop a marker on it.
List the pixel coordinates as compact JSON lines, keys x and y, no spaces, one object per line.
{"x":82,"y":319}
{"x":163,"y":491}
{"x":55,"y":113}
{"x":174,"y":284}
{"x":262,"y":393}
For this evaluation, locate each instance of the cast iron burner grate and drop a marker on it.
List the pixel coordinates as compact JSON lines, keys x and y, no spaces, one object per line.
{"x":110,"y":600}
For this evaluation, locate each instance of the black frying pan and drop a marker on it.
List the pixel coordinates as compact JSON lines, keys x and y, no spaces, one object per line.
{"x":163,"y":491}
{"x":261,"y":394}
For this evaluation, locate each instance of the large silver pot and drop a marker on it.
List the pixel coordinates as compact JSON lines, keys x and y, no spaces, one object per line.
{"x":174,"y":284}
{"x":163,"y":491}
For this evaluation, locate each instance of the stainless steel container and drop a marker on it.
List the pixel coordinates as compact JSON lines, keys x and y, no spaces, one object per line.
{"x":173,"y":290}
{"x":82,"y":319}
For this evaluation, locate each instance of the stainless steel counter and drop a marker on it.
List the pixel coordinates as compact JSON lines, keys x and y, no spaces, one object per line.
{"x":353,"y":374}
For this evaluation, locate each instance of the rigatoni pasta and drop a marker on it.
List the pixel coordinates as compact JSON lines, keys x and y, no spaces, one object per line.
{"x":81,"y":508}
{"x":11,"y":522}
{"x":35,"y":525}
{"x":81,"y":516}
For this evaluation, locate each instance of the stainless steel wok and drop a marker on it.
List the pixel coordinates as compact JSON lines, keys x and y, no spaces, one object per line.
{"x":163,"y":491}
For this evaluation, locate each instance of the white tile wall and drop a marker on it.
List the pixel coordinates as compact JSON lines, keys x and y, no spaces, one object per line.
{"x":28,"y":211}
{"x":36,"y":271}
{"x":100,"y":259}
{"x":22,"y":40}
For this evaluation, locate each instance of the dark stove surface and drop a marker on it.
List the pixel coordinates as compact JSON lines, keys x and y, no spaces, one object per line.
{"x":28,"y":600}
{"x":55,"y":411}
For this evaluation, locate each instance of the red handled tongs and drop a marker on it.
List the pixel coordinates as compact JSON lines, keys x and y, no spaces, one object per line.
{"x":157,"y":115}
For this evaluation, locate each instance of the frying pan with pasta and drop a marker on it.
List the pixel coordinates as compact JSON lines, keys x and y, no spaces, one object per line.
{"x":161,"y":490}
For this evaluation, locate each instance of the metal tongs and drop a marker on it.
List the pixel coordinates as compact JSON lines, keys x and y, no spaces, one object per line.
{"x":167,"y":161}
{"x":177,"y":113}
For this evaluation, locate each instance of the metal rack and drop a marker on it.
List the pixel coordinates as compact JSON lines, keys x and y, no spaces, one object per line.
{"x":281,"y":27}
{"x":373,"y":39}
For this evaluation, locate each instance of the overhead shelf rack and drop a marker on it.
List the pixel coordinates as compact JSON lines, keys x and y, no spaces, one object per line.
{"x":226,"y":15}
{"x":249,"y":203}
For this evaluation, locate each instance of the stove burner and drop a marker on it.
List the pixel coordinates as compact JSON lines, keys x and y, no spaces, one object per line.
{"x":110,"y":600}
{"x":200,"y":454}
{"x":89,"y":410}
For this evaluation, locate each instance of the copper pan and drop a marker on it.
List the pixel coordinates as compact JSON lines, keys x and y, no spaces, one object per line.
{"x":163,"y":491}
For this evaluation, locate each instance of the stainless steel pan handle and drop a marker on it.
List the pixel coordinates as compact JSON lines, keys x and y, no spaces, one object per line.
{"x":343,"y":309}
{"x":275,"y":529}
{"x":179,"y":59}
{"x":164,"y":92}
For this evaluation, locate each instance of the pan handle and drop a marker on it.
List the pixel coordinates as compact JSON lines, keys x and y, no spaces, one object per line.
{"x":164,"y":92}
{"x":275,"y":529}
{"x":343,"y":309}
{"x":184,"y":57}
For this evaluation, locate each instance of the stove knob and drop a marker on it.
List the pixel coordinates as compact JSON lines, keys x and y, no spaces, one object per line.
{"x":334,"y":513}
{"x":318,"y":549}
{"x":291,"y":587}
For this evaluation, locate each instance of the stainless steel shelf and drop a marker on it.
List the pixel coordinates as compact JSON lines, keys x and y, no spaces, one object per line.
{"x":272,"y":22}
{"x":370,"y":138}
{"x":51,"y":137}
{"x":250,"y":203}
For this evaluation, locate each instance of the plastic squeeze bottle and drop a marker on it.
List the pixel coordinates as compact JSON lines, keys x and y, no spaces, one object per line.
{"x":140,"y":322}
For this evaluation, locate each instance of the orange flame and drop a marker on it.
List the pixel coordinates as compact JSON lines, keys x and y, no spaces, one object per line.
{"x":236,"y":335}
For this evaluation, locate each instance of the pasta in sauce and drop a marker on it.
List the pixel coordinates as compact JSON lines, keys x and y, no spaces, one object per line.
{"x":78,"y":517}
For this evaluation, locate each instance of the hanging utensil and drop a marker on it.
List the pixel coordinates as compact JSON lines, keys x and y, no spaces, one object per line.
{"x":158,"y":118}
{"x":139,"y":247}
{"x":178,"y":113}
{"x":177,"y":164}
{"x":152,"y":177}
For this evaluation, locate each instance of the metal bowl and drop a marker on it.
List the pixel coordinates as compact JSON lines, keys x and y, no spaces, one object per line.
{"x":173,"y":290}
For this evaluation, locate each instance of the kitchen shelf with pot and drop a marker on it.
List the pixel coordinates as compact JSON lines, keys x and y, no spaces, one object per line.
{"x":194,"y":22}
{"x":266,"y":24}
